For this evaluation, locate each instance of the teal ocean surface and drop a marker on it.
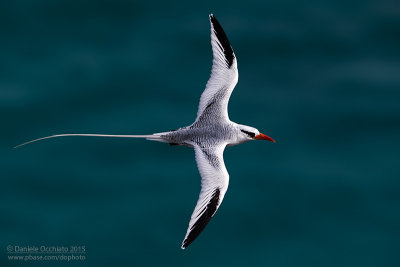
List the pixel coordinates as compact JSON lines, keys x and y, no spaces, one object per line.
{"x":320,"y":77}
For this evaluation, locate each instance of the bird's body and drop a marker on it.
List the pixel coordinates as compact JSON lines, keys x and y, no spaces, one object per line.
{"x":210,"y":133}
{"x":206,"y":136}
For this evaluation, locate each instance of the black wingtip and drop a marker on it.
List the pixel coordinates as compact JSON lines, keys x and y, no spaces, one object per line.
{"x":223,"y":39}
{"x":201,"y":223}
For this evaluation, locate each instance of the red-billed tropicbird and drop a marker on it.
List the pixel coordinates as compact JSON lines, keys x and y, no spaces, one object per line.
{"x":210,"y":133}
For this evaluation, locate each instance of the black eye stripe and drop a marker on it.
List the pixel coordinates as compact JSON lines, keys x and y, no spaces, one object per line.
{"x":249,"y":133}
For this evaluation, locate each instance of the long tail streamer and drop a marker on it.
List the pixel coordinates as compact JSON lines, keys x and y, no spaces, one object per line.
{"x":153,"y":137}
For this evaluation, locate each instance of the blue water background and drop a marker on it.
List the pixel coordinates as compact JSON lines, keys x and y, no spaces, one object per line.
{"x":320,"y":77}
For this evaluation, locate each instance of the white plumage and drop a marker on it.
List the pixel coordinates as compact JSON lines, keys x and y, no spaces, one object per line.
{"x":222,"y":76}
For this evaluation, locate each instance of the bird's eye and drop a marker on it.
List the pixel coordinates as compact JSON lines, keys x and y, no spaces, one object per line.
{"x":249,"y":133}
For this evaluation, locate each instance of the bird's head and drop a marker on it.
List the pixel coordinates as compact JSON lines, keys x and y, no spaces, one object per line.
{"x":248,"y":133}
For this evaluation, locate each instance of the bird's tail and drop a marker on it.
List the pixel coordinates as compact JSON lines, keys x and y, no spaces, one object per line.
{"x":153,"y":137}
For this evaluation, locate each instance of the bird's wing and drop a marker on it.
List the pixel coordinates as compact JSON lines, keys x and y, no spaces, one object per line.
{"x":214,"y":184}
{"x":224,"y":76}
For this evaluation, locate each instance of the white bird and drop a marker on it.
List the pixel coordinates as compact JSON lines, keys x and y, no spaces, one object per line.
{"x":210,"y":133}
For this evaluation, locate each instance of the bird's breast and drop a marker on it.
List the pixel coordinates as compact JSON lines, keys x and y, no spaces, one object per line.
{"x":210,"y":135}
